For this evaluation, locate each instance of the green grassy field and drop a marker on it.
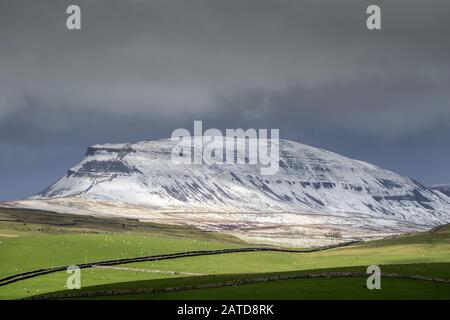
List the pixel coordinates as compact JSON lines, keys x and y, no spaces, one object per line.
{"x":29,"y":246}
{"x":304,"y":288}
{"x":351,"y":288}
{"x":57,"y":281}
{"x":390,"y":252}
{"x":33,"y":240}
{"x":33,"y":252}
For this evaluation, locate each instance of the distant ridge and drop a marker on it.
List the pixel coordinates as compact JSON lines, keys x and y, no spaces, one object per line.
{"x":444,"y":188}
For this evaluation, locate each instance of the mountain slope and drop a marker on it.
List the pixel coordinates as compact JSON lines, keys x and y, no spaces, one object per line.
{"x":310,"y":183}
{"x":444,"y":188}
{"x":309,"y":179}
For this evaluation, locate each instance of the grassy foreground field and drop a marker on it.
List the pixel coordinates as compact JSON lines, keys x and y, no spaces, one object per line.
{"x":40,"y":240}
{"x":351,"y":288}
{"x":333,"y":283}
{"x":34,"y":240}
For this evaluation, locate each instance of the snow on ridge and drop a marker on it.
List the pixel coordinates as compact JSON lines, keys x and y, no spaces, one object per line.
{"x":309,"y":180}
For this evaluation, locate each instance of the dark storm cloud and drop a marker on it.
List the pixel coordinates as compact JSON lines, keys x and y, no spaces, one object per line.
{"x":139,"y":69}
{"x":386,"y":107}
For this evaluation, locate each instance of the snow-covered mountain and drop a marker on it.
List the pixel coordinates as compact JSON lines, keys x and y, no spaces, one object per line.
{"x":444,"y":188}
{"x":310,"y":183}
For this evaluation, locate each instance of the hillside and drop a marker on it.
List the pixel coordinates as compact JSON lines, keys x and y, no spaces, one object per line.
{"x":317,"y":197}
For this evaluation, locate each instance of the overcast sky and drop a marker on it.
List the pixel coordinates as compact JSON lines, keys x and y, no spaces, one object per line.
{"x":140,"y":69}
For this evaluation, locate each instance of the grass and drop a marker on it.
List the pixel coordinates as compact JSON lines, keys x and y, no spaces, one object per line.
{"x":32,"y":248}
{"x":32,"y":240}
{"x":333,"y":288}
{"x":57,"y":281}
{"x":306,"y":288}
{"x":42,"y":251}
{"x":411,"y":248}
{"x":20,"y":222}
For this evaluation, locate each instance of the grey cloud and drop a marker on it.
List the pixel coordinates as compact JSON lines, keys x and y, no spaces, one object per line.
{"x":139,"y":69}
{"x":387,"y":107}
{"x":175,"y":56}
